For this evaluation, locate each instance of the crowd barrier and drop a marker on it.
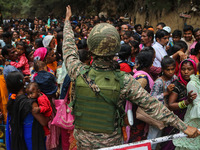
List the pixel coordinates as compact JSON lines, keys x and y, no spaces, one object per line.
{"x":146,"y":144}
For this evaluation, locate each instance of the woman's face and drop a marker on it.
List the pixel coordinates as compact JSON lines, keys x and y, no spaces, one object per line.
{"x":186,"y":70}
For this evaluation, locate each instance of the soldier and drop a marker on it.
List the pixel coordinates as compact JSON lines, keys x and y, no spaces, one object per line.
{"x":101,"y":90}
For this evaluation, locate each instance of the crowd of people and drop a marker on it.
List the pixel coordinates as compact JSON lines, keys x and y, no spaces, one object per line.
{"x":106,"y":68}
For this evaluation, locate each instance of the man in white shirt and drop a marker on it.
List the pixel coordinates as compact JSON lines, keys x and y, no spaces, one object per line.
{"x":162,"y":39}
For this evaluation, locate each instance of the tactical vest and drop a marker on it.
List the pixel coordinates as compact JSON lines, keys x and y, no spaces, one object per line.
{"x":98,"y":112}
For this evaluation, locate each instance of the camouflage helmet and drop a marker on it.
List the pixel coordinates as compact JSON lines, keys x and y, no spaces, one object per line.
{"x":104,"y":40}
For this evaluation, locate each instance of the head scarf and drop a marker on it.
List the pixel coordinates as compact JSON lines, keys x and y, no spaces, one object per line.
{"x":179,"y":73}
{"x":40,"y":54}
{"x":7,"y":69}
{"x":47,"y":39}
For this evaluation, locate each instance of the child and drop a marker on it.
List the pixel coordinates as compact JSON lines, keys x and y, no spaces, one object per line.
{"x":45,"y":80}
{"x":22,"y":64}
{"x":44,"y":107}
{"x":161,"y":89}
{"x":126,"y":37}
{"x":181,"y":47}
{"x":47,"y":84}
{"x":38,"y":66}
{"x":124,"y":54}
{"x":134,"y":50}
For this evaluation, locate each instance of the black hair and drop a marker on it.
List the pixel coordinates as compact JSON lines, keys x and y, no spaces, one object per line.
{"x":48,"y":51}
{"x":195,"y":50}
{"x":145,"y":58}
{"x":196,"y":30}
{"x":125,"y":51}
{"x":4,"y":51}
{"x":34,"y":84}
{"x":35,"y":33}
{"x":175,"y":49}
{"x":38,"y":64}
{"x":14,"y":82}
{"x":59,"y":54}
{"x":84,"y":55}
{"x":38,"y":42}
{"x":137,"y":25}
{"x":177,"y":33}
{"x":111,"y":20}
{"x":82,"y":44}
{"x":128,"y":33}
{"x":149,"y":27}
{"x":58,"y":29}
{"x":161,"y":33}
{"x":23,"y":44}
{"x":59,"y":36}
{"x":49,"y":31}
{"x":16,"y":32}
{"x":188,"y":28}
{"x":187,"y":61}
{"x":182,"y":44}
{"x":167,"y":61}
{"x":134,"y":43}
{"x":6,"y":35}
{"x":162,"y":24}
{"x":28,"y":51}
{"x":136,"y":37}
{"x":150,"y":33}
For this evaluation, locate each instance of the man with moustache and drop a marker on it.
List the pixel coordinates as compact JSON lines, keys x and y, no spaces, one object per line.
{"x":146,"y":39}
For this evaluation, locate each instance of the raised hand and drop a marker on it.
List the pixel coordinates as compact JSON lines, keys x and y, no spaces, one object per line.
{"x":68,"y":13}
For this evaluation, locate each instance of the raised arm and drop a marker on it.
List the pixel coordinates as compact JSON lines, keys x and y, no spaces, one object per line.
{"x":70,"y":55}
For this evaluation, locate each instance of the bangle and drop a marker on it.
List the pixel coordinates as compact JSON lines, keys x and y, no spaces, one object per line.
{"x":182,"y":104}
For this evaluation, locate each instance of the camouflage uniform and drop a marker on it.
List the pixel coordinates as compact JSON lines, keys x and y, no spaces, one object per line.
{"x":131,"y":91}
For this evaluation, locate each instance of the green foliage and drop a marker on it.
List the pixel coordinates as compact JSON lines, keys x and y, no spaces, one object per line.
{"x":43,"y":8}
{"x":10,"y":8}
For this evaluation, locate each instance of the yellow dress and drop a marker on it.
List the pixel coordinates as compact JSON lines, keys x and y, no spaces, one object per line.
{"x":3,"y":97}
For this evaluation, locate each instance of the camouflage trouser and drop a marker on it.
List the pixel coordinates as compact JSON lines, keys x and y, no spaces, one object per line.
{"x":89,"y":140}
